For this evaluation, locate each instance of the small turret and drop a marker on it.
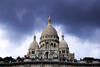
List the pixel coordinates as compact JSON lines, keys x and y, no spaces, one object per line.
{"x":63,"y":43}
{"x":34,"y":44}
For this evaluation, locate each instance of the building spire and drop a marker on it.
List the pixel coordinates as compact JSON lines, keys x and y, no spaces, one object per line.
{"x":34,"y":37}
{"x":62,"y":36}
{"x":49,"y":20}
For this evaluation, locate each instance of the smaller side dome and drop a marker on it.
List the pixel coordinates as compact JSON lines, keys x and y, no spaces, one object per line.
{"x":34,"y":44}
{"x":63,"y":43}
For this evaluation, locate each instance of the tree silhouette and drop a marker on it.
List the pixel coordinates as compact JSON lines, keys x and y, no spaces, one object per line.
{"x":9,"y":59}
{"x":19,"y":59}
{"x":1,"y":59}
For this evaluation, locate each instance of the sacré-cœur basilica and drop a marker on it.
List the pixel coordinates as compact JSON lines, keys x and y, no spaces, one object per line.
{"x":49,"y":47}
{"x":50,"y":52}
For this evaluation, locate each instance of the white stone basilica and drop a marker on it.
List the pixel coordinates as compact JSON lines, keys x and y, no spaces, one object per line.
{"x":49,"y":47}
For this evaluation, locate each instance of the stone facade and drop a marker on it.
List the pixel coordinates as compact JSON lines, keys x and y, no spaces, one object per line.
{"x":49,"y":47}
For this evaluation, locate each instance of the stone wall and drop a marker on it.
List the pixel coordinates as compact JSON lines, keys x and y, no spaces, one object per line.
{"x":49,"y":64}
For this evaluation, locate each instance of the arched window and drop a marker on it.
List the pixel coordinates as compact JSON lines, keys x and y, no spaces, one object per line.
{"x":33,"y":52}
{"x":51,"y":44}
{"x":54,"y":45}
{"x":63,"y":51}
{"x":59,"y":52}
{"x":46,"y":45}
{"x":43,"y":44}
{"x":67,"y":51}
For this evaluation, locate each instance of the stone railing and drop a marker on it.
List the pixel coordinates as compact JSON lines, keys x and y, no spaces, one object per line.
{"x":48,"y":63}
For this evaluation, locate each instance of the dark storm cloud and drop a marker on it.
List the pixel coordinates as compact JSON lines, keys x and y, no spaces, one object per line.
{"x":82,"y":17}
{"x":78,"y":16}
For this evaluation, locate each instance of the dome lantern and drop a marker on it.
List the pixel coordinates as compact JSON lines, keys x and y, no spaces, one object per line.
{"x":34,"y":37}
{"x":49,"y":32}
{"x":63,"y":37}
{"x":49,"y":20}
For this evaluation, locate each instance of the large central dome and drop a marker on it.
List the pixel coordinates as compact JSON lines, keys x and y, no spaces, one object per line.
{"x":49,"y":30}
